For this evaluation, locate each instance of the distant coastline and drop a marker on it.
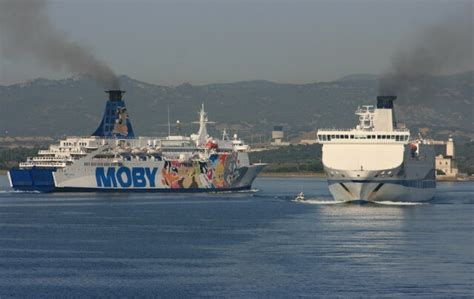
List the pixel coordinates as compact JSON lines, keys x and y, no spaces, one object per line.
{"x":292,"y":174}
{"x":322,"y":175}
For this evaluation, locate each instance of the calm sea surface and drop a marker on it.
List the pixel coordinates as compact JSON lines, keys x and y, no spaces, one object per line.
{"x":259,"y":244}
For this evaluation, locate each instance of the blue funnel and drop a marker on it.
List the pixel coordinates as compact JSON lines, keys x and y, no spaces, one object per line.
{"x":115,"y":122}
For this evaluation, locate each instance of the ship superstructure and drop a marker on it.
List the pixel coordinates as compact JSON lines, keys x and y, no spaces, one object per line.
{"x":113,"y":159}
{"x":377,"y":160}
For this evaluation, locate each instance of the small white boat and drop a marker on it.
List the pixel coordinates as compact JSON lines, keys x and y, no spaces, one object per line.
{"x":300,"y":197}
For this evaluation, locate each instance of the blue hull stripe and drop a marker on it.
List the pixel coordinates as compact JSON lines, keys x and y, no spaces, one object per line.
{"x":34,"y":179}
{"x":406,"y":183}
{"x":144,"y":190}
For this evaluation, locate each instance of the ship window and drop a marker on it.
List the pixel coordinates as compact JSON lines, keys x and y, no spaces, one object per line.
{"x":369,"y":137}
{"x":383,"y":136}
{"x":333,"y":136}
{"x":329,"y":138}
{"x":352,"y":136}
{"x":379,"y":137}
{"x":346,"y":136}
{"x":392,"y":137}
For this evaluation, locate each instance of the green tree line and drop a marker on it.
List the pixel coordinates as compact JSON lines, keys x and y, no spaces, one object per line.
{"x":307,"y":158}
{"x":10,"y":157}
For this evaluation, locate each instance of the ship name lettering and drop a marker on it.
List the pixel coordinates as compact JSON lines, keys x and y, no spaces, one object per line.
{"x":125,"y":177}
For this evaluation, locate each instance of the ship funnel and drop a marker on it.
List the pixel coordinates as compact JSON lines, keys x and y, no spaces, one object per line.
{"x":115,"y":122}
{"x":385,"y":114}
{"x":115,"y":95}
{"x":385,"y":102}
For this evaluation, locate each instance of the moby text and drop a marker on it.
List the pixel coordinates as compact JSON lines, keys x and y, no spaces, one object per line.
{"x":124,"y":177}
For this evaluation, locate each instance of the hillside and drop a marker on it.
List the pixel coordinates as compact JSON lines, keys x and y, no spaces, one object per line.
{"x":74,"y":106}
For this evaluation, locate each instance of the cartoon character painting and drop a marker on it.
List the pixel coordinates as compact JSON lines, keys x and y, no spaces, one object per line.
{"x":120,"y":127}
{"x":220,"y":171}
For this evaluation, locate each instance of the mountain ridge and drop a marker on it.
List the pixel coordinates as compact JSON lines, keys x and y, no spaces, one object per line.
{"x":73,"y":106}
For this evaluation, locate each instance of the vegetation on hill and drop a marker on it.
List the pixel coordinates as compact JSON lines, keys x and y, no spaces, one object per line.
{"x":465,"y":157}
{"x":10,"y":157}
{"x":307,"y":158}
{"x":75,"y":106}
{"x":293,"y":158}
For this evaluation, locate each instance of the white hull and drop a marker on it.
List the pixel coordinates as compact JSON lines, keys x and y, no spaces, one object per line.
{"x":355,"y":191}
{"x":376,"y":161}
{"x":413,"y":180}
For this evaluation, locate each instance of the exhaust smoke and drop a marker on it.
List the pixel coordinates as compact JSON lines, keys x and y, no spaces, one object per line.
{"x":444,"y":48}
{"x":26,"y":29}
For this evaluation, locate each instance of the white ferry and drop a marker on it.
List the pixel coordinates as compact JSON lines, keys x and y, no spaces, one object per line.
{"x":377,"y":161}
{"x":113,"y":160}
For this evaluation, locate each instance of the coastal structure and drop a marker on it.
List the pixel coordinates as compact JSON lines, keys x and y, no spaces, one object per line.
{"x":377,"y":160}
{"x":114,"y":160}
{"x":278,"y":136}
{"x":446,"y":166}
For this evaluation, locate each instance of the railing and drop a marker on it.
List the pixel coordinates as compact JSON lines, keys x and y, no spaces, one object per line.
{"x":42,"y":164}
{"x":42,"y":159}
{"x":56,"y":151}
{"x":355,"y":131}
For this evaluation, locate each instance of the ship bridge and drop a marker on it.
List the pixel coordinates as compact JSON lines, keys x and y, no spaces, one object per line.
{"x":376,"y":125}
{"x":358,"y":136}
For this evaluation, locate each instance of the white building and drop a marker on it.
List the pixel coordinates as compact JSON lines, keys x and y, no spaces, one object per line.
{"x":277,"y":137}
{"x":446,"y":166}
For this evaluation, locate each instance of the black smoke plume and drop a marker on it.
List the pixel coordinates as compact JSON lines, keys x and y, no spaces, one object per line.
{"x":444,"y":48}
{"x":26,"y":29}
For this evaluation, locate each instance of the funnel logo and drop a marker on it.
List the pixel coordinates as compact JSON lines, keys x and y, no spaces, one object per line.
{"x":120,"y":127}
{"x":124,"y":177}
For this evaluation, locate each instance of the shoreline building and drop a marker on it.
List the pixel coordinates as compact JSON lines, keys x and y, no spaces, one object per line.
{"x":446,"y":166}
{"x":277,"y":137}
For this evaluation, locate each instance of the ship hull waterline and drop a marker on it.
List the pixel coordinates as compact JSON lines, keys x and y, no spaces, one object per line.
{"x":49,"y":180}
{"x":381,"y":191}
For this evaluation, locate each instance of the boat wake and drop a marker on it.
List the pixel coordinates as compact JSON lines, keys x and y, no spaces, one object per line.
{"x":400,"y":203}
{"x":319,"y":201}
{"x":17,"y":192}
{"x":316,"y":201}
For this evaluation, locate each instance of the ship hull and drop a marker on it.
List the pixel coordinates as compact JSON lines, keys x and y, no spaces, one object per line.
{"x":223,"y":174}
{"x":410,"y":179}
{"x":379,"y":190}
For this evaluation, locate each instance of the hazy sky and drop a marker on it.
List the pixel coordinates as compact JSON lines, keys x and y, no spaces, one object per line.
{"x":170,"y":42}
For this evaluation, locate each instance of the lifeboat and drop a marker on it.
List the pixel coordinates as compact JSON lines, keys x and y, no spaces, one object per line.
{"x":211,"y":145}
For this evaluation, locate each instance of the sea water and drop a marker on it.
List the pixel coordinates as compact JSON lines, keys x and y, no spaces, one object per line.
{"x":251,"y":244}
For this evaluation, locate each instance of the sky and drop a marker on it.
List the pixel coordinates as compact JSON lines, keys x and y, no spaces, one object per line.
{"x":201,"y":42}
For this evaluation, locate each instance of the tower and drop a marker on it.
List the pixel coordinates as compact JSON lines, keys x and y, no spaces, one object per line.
{"x":450,"y":147}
